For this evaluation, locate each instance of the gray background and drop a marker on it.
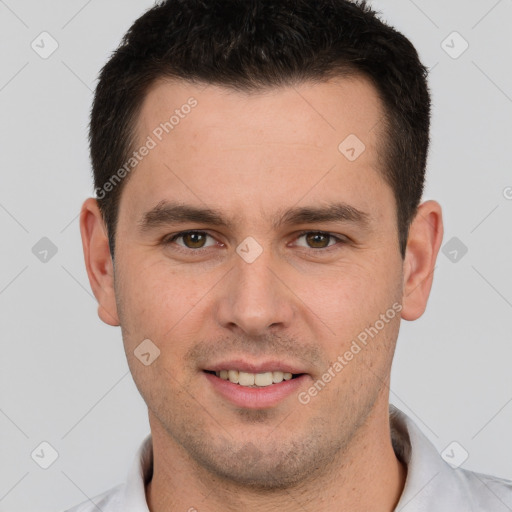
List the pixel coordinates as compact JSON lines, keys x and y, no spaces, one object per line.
{"x":63,"y":374}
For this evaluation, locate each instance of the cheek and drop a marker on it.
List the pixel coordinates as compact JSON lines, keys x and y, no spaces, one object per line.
{"x":352,"y":298}
{"x":158,"y":302}
{"x":155,"y":308}
{"x":347,"y":285}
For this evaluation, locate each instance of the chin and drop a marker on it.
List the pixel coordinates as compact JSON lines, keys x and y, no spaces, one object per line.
{"x":261,"y":467}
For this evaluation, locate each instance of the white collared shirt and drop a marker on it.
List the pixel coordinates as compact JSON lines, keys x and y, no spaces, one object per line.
{"x":432,"y":485}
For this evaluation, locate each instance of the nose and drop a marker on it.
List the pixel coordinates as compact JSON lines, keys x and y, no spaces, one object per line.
{"x":255,"y":297}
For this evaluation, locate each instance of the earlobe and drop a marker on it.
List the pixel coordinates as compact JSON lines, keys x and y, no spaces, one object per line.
{"x":98,"y":261}
{"x":423,"y":244}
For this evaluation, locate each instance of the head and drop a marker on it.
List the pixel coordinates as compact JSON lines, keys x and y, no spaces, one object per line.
{"x":291,"y":137}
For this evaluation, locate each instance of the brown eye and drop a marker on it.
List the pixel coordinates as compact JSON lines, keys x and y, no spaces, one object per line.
{"x":318,"y":240}
{"x":191,"y":240}
{"x":194,"y":240}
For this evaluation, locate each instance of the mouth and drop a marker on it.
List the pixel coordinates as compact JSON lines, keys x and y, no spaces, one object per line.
{"x":254,"y":380}
{"x":255,"y":386}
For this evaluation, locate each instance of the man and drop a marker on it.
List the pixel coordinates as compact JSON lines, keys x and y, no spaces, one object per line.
{"x":257,"y":233}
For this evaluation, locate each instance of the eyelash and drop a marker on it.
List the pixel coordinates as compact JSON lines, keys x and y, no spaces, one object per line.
{"x":170,"y":239}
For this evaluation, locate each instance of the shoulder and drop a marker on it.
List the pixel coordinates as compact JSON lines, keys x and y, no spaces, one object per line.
{"x":107,"y":501}
{"x":434,"y":484}
{"x":486,"y":492}
{"x":130,"y":495}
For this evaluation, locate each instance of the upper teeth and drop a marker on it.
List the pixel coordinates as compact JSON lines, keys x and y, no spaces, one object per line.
{"x":253,"y":379}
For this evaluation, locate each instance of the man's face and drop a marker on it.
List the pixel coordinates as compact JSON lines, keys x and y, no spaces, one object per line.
{"x":256,"y":294}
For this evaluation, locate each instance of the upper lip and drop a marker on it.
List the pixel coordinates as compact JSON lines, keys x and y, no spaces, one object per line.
{"x":253,"y":367}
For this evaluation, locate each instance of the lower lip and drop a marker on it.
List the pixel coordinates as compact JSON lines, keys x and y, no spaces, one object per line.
{"x":255,"y":398}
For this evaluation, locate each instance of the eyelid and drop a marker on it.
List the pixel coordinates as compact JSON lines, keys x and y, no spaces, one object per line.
{"x":340,"y":239}
{"x":168,"y":239}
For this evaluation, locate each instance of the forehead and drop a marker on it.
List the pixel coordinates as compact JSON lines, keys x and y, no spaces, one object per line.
{"x":218,"y":146}
{"x":337,"y":106}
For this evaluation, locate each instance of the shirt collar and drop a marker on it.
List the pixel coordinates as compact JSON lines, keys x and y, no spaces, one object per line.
{"x":430,"y":480}
{"x":133,"y":498}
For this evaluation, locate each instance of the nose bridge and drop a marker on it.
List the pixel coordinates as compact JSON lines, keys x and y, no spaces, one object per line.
{"x":255,"y":298}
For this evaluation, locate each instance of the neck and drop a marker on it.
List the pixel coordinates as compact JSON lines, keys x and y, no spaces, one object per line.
{"x":366,"y":476}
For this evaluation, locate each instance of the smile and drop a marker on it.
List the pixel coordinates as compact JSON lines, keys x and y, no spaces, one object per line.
{"x":247,"y":379}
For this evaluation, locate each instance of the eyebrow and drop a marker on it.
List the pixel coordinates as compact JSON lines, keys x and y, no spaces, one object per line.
{"x":169,"y":213}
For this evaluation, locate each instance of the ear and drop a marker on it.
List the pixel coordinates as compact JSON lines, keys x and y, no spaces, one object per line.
{"x":98,"y":261}
{"x":425,"y":237}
